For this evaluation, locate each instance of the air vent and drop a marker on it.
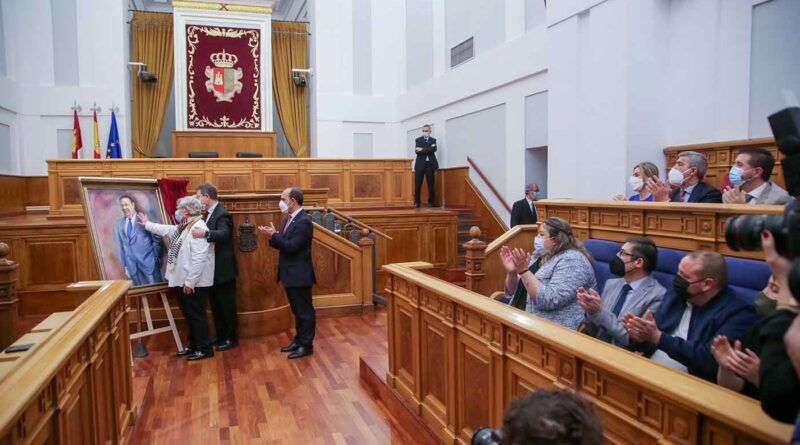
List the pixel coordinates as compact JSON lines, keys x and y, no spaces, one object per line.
{"x":462,"y":52}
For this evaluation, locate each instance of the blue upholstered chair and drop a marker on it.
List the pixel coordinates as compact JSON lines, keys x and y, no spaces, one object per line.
{"x":747,"y":277}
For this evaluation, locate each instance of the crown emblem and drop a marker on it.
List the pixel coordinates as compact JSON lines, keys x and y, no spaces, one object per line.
{"x":224,"y":60}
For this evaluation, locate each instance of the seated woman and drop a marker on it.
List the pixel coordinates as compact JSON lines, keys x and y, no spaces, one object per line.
{"x":641,"y":173}
{"x":564,"y":267}
{"x":190,"y":272}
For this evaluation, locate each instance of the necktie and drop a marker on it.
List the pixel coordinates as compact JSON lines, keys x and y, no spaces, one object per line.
{"x":623,"y":295}
{"x":129,"y":228}
{"x":533,"y":209}
{"x":685,"y":195}
{"x":286,"y":224}
{"x":748,"y":198}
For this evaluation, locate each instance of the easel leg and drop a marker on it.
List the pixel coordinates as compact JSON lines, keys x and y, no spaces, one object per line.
{"x":174,"y":328}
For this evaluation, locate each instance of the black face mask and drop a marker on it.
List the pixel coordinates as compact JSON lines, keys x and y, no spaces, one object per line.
{"x":617,"y":266}
{"x":681,"y":287}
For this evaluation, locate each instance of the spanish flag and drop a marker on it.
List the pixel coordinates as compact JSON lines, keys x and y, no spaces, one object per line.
{"x":77,"y":143}
{"x":96,"y":139}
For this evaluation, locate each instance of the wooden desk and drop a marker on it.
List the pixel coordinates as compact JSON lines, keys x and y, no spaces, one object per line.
{"x":226,"y":143}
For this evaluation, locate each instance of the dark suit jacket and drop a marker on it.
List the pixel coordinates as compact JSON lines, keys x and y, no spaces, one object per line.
{"x":702,"y":192}
{"x":220,"y":232}
{"x":521,"y":213}
{"x":726,"y":314}
{"x":428,"y":149}
{"x":295,"y":268}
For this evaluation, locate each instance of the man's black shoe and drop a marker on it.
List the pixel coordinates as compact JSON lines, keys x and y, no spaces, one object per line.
{"x":199,"y":355}
{"x":184,"y":352}
{"x":416,"y":205}
{"x":302,"y":351}
{"x":227,"y":344}
{"x":291,"y":348}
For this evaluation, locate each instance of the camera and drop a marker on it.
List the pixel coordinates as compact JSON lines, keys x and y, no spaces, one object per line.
{"x":487,"y":436}
{"x":743,"y":232}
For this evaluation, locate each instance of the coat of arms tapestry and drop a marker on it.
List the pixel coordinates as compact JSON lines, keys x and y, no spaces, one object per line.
{"x":223,"y":78}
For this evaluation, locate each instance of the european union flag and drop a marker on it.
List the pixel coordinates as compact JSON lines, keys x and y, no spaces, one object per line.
{"x":114,"y":150}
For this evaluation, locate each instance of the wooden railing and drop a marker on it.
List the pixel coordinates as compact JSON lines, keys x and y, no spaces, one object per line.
{"x":456,"y":189}
{"x":74,"y":385}
{"x":721,"y":155}
{"x":489,"y":184}
{"x":458,"y":359}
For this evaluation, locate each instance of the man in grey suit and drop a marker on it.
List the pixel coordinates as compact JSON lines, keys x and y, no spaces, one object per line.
{"x":139,"y":250}
{"x":750,"y":182}
{"x":636,"y":292}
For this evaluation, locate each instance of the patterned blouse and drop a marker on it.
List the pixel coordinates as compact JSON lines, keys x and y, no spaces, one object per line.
{"x":561,"y":276}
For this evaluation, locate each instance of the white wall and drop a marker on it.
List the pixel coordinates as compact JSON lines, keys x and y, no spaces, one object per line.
{"x":34,"y":107}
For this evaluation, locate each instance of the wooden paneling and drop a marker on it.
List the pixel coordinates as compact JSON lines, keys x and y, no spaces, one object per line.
{"x":36,"y":191}
{"x":9,"y":303}
{"x":478,"y":354}
{"x":226,"y":143}
{"x":720,"y":156}
{"x":351,"y":183}
{"x":12,"y":195}
{"x":74,"y":385}
{"x":458,"y":190}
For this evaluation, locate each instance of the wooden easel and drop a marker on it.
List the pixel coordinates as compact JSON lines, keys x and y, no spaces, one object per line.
{"x":142,"y":295}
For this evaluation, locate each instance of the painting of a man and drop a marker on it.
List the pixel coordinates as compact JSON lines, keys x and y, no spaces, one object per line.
{"x":138,"y":250}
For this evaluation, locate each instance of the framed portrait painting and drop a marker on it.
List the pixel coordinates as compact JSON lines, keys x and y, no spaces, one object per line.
{"x":123,"y":249}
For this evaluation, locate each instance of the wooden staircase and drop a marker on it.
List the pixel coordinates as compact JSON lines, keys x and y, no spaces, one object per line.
{"x":466,"y":219}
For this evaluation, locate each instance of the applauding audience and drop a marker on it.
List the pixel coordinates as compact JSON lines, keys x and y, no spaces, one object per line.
{"x":637,"y":292}
{"x":701,"y":307}
{"x":641,"y":172}
{"x":750,"y":179}
{"x":565,"y":266}
{"x":686,"y":177}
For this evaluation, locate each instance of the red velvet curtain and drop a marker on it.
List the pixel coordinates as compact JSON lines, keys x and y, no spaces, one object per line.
{"x":172,"y":189}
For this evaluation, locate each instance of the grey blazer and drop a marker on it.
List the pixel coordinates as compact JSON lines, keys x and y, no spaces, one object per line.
{"x":773,"y":194}
{"x":647,"y":297}
{"x":557,"y":299}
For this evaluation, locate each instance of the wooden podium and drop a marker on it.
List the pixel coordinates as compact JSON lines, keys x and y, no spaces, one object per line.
{"x":226,"y":143}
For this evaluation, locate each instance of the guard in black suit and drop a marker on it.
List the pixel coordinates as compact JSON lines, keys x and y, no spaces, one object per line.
{"x":524,"y":210}
{"x":425,"y":165}
{"x":295,"y":269}
{"x":223,"y":294}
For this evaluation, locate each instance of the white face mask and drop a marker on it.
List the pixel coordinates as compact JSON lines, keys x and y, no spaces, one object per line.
{"x":675,"y":177}
{"x":538,"y":246}
{"x":284,"y":208}
{"x":636,"y":183}
{"x":426,"y":133}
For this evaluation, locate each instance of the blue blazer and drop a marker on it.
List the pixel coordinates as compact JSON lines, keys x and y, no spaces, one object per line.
{"x":140,"y":252}
{"x":295,"y":268}
{"x":726,"y":314}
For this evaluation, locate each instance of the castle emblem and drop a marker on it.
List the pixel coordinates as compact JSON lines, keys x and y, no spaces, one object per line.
{"x":223,"y":79}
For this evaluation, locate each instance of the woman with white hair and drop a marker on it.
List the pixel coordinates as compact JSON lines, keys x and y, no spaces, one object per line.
{"x":190,"y":271}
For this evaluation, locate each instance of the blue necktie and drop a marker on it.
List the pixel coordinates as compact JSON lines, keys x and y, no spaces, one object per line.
{"x":623,"y":295}
{"x":129,"y":229}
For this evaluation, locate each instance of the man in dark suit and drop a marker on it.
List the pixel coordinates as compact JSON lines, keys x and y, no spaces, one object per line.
{"x":295,"y":269}
{"x":686,"y":177}
{"x":223,"y":294}
{"x":524,"y":210}
{"x":139,"y":250}
{"x":425,"y":165}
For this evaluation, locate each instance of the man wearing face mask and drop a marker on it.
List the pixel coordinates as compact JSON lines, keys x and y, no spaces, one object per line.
{"x":425,"y":165}
{"x":636,"y":292}
{"x":524,"y":210}
{"x":295,"y":269}
{"x":701,"y":307}
{"x":750,"y":179}
{"x":686,"y":178}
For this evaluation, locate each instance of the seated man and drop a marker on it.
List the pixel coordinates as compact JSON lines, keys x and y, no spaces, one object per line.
{"x":750,"y":179}
{"x":687,"y":179}
{"x":700,"y":307}
{"x":637,"y":292}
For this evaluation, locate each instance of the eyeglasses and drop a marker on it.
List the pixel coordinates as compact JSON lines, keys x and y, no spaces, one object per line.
{"x":622,"y":252}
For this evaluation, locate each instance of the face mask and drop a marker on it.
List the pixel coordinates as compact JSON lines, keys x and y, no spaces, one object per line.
{"x":736,"y":176}
{"x":178,"y":217}
{"x":765,"y":305}
{"x":283,"y":206}
{"x":538,"y":246}
{"x":681,"y":287}
{"x":426,"y":133}
{"x":636,"y":183}
{"x":675,"y":177}
{"x":617,"y":266}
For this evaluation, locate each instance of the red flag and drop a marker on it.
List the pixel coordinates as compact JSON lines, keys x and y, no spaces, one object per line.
{"x":77,"y":142}
{"x":96,"y":139}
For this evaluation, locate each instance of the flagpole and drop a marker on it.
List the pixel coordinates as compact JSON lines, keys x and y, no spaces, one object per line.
{"x":95,"y":109}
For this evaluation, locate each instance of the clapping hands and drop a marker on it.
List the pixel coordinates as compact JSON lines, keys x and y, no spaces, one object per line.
{"x":515,"y":260}
{"x":658,"y":189}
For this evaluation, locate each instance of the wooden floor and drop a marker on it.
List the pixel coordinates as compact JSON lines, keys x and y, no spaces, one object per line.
{"x":253,"y":394}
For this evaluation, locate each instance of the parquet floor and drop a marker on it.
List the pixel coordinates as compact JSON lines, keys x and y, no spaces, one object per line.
{"x":253,"y":394}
